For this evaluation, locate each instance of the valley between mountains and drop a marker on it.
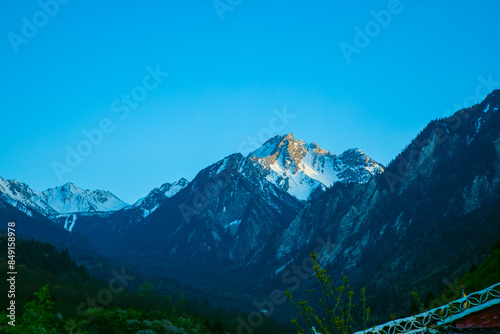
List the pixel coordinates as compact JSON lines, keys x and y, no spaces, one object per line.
{"x":244,"y":226}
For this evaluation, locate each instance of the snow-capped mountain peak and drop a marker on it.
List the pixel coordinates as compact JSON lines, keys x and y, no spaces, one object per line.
{"x":301,"y":168}
{"x":153,"y":200}
{"x":358,"y":167}
{"x":69,"y":198}
{"x":170,"y":189}
{"x":21,"y":196}
{"x":64,"y":199}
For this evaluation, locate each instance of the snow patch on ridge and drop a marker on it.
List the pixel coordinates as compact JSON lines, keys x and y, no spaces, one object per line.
{"x":154,"y":199}
{"x":232,"y":227}
{"x":69,"y":223}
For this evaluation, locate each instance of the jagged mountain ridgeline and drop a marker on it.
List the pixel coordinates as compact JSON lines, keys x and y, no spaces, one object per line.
{"x":302,"y":169}
{"x":58,"y":200}
{"x":245,"y":219}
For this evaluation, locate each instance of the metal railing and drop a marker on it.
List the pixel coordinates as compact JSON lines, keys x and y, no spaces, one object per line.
{"x":442,"y":315}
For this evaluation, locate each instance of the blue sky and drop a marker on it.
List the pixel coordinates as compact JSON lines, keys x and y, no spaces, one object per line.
{"x":68,"y":68}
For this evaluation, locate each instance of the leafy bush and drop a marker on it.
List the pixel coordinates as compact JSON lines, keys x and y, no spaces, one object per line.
{"x":336,"y":306}
{"x":37,"y":317}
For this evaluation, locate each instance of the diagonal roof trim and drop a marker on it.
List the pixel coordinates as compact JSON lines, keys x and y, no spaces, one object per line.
{"x":442,"y":315}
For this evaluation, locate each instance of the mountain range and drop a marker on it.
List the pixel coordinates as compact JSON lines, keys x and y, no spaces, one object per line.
{"x":64,"y":199}
{"x":251,"y":220}
{"x":298,"y":168}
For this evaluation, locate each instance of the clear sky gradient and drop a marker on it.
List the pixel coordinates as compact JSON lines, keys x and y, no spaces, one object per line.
{"x":69,"y":68}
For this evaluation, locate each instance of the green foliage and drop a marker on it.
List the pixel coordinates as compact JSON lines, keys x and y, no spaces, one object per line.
{"x":54,"y":288}
{"x":430,"y":259}
{"x":116,"y":321}
{"x":336,"y":305}
{"x":146,"y":289}
{"x":417,"y":300}
{"x":476,"y":278}
{"x":37,"y":317}
{"x":486,"y":274}
{"x":366,"y":310}
{"x":428,"y":299}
